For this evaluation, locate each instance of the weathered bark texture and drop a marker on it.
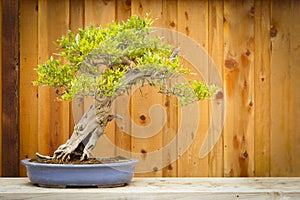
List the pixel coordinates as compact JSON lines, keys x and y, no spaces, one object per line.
{"x":86,"y":132}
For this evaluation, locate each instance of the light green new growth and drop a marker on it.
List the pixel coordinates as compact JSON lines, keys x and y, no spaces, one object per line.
{"x":99,"y":62}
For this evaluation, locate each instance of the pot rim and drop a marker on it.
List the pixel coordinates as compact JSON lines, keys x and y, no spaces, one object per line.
{"x":27,"y":162}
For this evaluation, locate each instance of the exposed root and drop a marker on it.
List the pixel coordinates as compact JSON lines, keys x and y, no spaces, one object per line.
{"x":86,"y":133}
{"x":43,"y":157}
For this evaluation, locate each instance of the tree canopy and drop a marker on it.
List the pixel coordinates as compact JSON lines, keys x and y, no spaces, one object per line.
{"x":106,"y":62}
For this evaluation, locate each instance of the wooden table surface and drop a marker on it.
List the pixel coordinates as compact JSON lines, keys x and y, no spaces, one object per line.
{"x":163,"y":188}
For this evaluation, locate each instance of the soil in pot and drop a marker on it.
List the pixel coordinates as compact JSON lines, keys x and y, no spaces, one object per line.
{"x":117,"y":159}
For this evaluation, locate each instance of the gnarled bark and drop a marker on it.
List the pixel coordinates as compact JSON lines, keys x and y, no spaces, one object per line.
{"x":86,"y":132}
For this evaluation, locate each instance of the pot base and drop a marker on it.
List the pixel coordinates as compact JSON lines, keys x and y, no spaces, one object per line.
{"x":81,"y":186}
{"x":80,"y":175}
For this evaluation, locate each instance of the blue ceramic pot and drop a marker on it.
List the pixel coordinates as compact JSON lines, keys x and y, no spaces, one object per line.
{"x":63,"y":175}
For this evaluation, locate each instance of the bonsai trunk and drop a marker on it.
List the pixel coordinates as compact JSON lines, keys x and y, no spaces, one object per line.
{"x":86,"y":132}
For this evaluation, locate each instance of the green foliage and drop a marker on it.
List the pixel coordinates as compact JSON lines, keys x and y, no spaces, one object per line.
{"x":190,"y":92}
{"x":53,"y":74}
{"x":97,"y":60}
{"x":202,"y":91}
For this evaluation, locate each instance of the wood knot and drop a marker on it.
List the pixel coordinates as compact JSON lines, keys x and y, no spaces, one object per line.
{"x":245,"y":155}
{"x":245,"y":86}
{"x":186,"y":15}
{"x":128,"y":2}
{"x":140,"y":9}
{"x":167,"y":103}
{"x":247,"y":53}
{"x":252,"y":11}
{"x":155,"y":169}
{"x":219,"y":95}
{"x":144,"y":153}
{"x":231,"y":64}
{"x":250,"y":104}
{"x":172,"y":24}
{"x":143,"y":117}
{"x":273,"y":31}
{"x":187,"y":30}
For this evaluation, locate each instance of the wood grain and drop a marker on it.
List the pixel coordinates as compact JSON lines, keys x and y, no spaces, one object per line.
{"x":238,"y":55}
{"x":99,"y":12}
{"x":1,"y":90}
{"x":285,"y":95}
{"x":163,"y":188}
{"x":53,"y":114}
{"x":215,"y":50}
{"x":170,"y":130}
{"x":28,"y":93}
{"x":10,"y":89}
{"x":193,"y":22}
{"x":262,"y":88}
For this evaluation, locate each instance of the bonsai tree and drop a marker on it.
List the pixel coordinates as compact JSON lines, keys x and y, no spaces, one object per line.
{"x":104,"y":63}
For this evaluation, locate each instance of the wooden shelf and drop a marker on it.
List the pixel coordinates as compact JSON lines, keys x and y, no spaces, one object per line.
{"x":163,"y":188}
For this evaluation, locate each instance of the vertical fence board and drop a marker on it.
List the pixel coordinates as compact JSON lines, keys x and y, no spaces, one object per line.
{"x":101,"y":13}
{"x":28,"y":93}
{"x":1,"y":89}
{"x":285,"y":95}
{"x":122,"y":138}
{"x":238,"y":132}
{"x":141,"y":104}
{"x":10,"y":89}
{"x":123,"y":10}
{"x":76,"y":14}
{"x":76,"y":22}
{"x":215,"y":49}
{"x":53,"y":115}
{"x":193,"y":22}
{"x":170,"y":17}
{"x":262,"y":88}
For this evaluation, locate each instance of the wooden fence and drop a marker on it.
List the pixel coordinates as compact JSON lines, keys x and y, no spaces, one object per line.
{"x":255,"y":46}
